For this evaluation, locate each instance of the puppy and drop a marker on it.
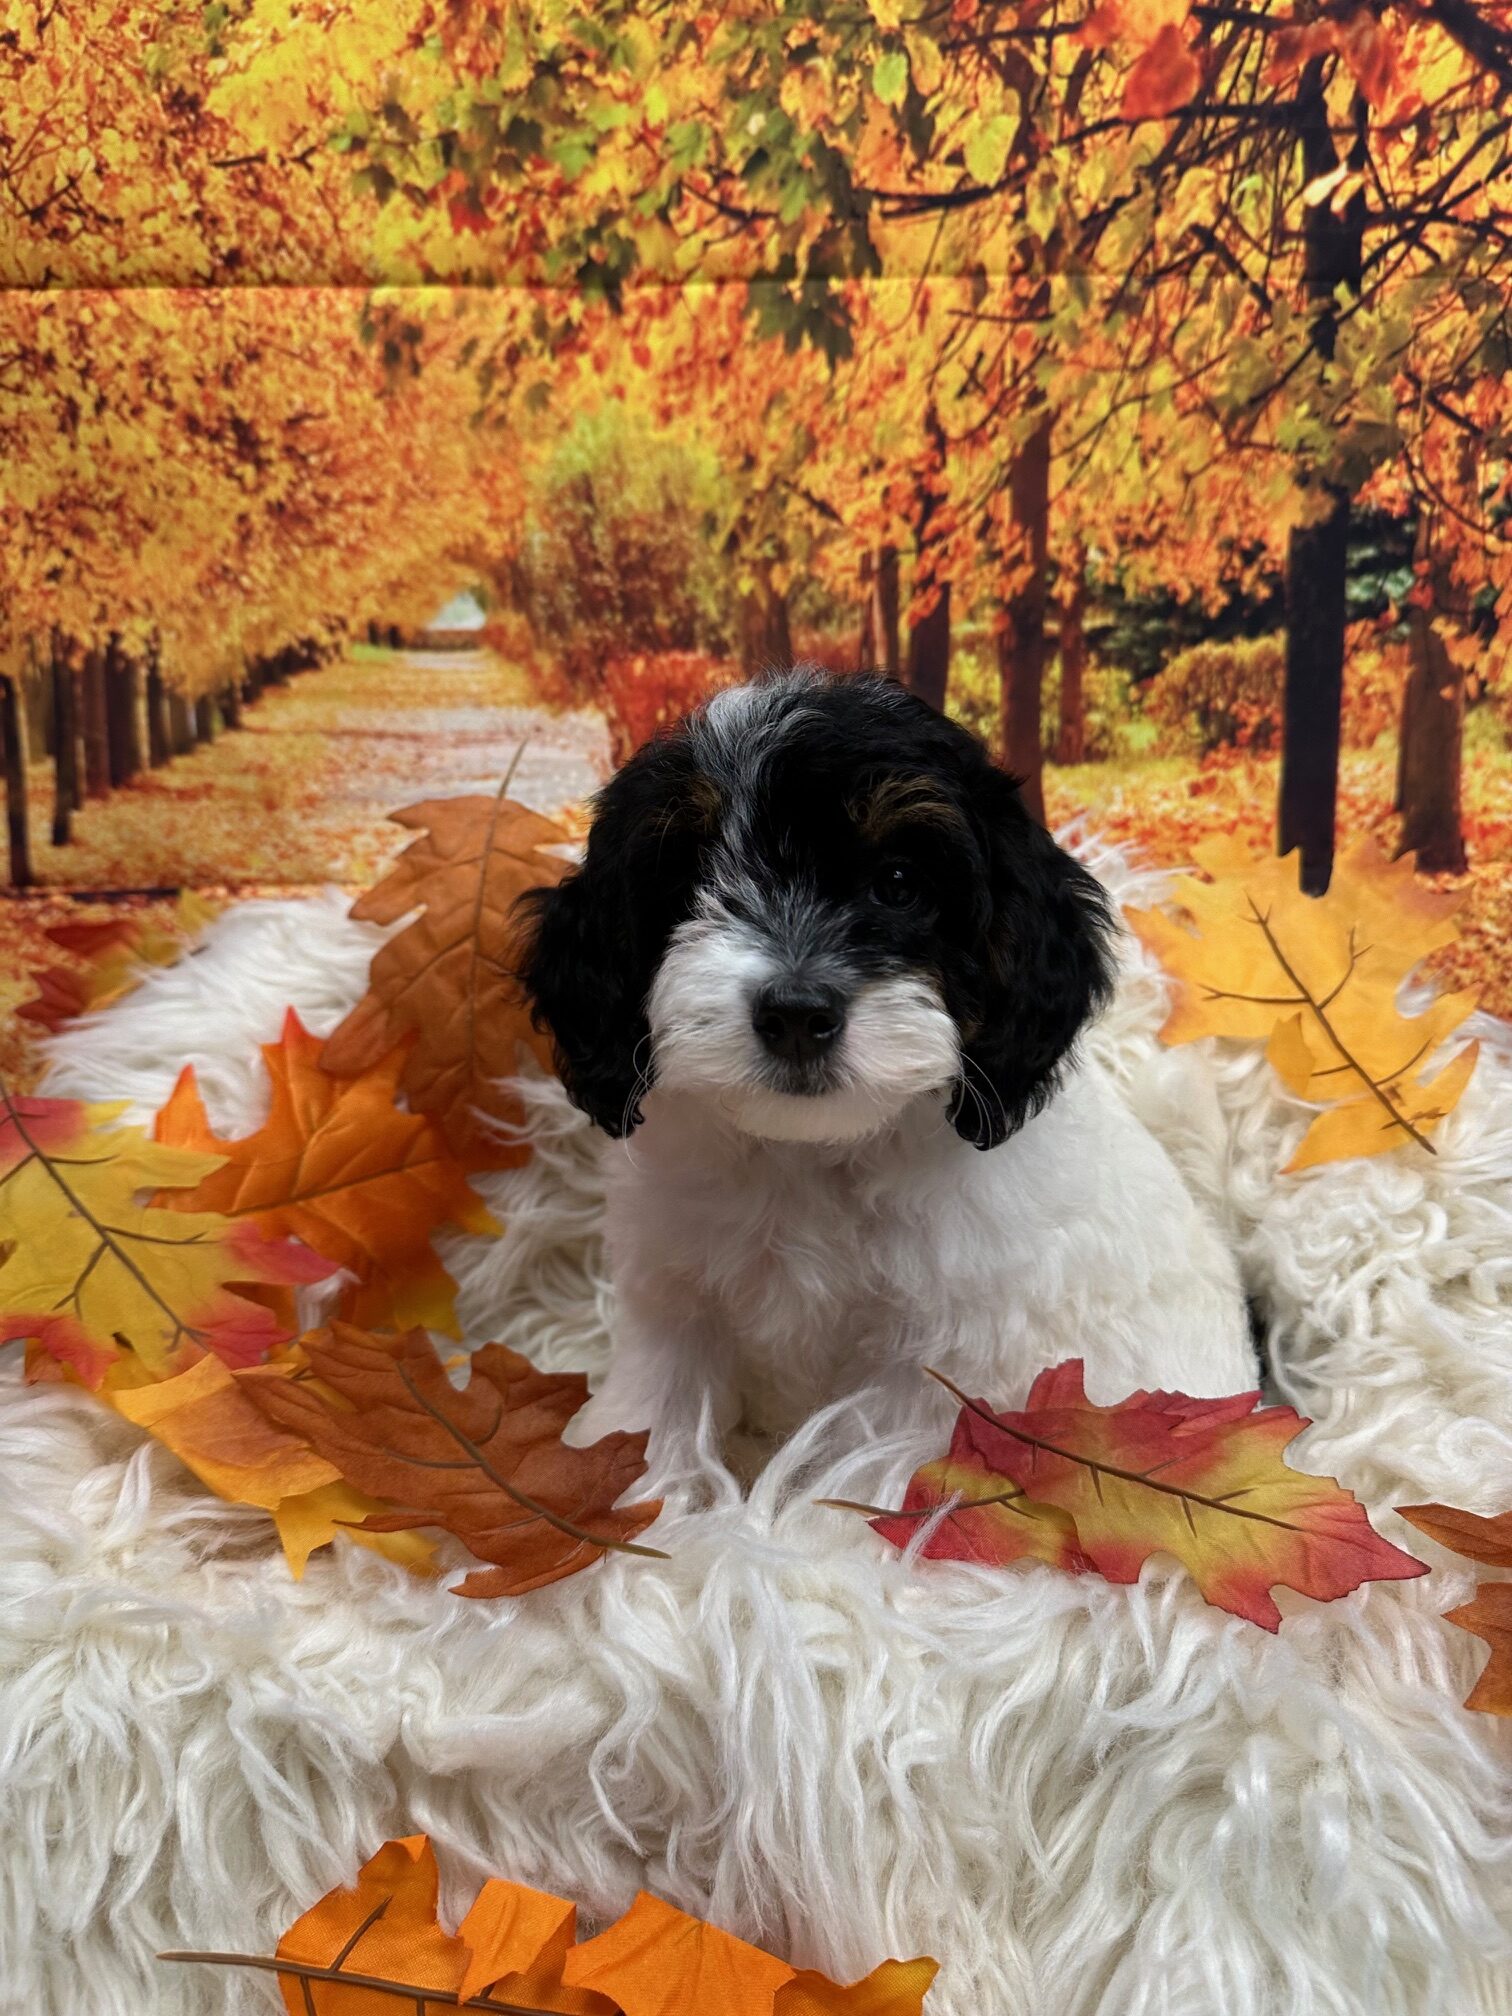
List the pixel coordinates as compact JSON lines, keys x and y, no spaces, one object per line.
{"x":820,"y":977}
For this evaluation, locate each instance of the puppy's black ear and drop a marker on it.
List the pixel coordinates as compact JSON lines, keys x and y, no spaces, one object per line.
{"x":1046,"y":968}
{"x":592,"y":943}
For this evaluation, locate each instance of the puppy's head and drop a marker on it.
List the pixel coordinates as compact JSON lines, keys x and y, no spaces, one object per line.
{"x":811,"y":903}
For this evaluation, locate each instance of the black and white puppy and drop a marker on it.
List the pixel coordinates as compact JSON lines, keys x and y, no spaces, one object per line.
{"x":817,"y":957}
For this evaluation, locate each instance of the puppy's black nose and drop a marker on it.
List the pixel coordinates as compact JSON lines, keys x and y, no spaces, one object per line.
{"x":798,"y":1022}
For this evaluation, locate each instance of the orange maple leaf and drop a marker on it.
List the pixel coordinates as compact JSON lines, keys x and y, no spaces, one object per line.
{"x":1489,"y":1612}
{"x":1165,"y":77}
{"x":1159,"y":1473}
{"x":486,"y":1461}
{"x":339,"y":1166}
{"x":446,"y":977}
{"x":372,"y":1949}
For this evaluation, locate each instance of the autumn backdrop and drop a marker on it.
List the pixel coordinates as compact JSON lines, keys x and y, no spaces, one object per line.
{"x":1132,"y":379}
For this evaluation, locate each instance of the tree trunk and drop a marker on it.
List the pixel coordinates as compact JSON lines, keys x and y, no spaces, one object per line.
{"x":1071,"y":739}
{"x":1317,"y":553}
{"x":96,"y":726}
{"x":65,"y":746}
{"x":929,"y":652}
{"x":121,"y":697}
{"x":252,"y":680}
{"x":885,"y":609}
{"x":1021,"y":641}
{"x":766,"y":635}
{"x":204,"y":719}
{"x":230,"y":704}
{"x":13,"y":752}
{"x":1430,"y":754}
{"x":180,"y":734}
{"x":866,"y":650}
{"x":928,"y":672}
{"x":158,"y":749}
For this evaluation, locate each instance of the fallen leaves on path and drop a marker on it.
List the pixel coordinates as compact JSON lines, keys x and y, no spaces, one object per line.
{"x":1091,"y":1487}
{"x":379,"y":1946}
{"x":1317,"y":979}
{"x":485,"y":1461}
{"x":1489,"y":1612}
{"x":338,"y":1165}
{"x":445,"y":978}
{"x":87,"y":1268}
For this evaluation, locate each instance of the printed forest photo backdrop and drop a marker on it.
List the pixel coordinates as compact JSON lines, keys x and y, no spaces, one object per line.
{"x":383,"y":385}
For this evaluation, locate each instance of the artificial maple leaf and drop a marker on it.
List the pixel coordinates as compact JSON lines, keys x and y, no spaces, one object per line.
{"x":89,"y":1267}
{"x":1159,"y":1473}
{"x":1317,"y":978}
{"x":486,"y":1461}
{"x":896,"y":1988}
{"x":657,"y":1961}
{"x":445,"y":978}
{"x":115,"y":952}
{"x":203,"y":1415}
{"x":338,"y":1165}
{"x":1489,"y":1612}
{"x":378,"y":1946}
{"x":988,"y":1519}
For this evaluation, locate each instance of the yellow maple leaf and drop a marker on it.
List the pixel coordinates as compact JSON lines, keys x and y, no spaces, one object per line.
{"x":89,"y":1268}
{"x":1317,"y":979}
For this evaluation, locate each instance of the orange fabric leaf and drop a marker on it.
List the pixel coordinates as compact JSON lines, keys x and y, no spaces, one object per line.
{"x":385,"y":1926}
{"x":445,"y":977}
{"x":1160,"y":1473}
{"x":1489,"y":1612}
{"x":518,"y":1941}
{"x":657,"y":1961}
{"x":486,"y":1461}
{"x":896,"y":1988}
{"x":339,"y":1166}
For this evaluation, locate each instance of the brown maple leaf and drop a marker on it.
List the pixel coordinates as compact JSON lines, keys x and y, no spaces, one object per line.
{"x":1489,"y":1612}
{"x":485,"y":1461}
{"x":446,"y":977}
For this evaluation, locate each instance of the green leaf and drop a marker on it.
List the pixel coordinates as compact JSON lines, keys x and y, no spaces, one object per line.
{"x":987,"y":148}
{"x":890,"y":77}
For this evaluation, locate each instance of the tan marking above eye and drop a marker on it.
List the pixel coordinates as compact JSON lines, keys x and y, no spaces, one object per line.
{"x":903,"y":801}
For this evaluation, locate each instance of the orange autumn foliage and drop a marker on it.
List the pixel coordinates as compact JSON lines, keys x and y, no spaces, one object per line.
{"x":370,"y":1950}
{"x":339,"y":1165}
{"x":445,"y":979}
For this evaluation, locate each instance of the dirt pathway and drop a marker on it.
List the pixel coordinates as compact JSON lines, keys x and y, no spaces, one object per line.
{"x":296,"y":798}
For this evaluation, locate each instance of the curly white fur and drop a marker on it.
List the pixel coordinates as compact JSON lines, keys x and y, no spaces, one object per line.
{"x":1096,"y":1801}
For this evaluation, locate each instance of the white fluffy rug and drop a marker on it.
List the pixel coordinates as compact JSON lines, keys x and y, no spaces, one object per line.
{"x":1081,"y":1798}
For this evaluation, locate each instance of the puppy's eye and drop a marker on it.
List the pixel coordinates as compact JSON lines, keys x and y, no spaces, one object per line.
{"x":897,"y":884}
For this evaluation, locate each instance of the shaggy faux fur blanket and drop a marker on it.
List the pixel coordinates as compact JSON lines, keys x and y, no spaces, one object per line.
{"x":1081,"y":1798}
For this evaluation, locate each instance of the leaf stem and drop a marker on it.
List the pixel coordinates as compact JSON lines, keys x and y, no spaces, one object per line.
{"x":1377,"y":1092}
{"x":304,"y":1970}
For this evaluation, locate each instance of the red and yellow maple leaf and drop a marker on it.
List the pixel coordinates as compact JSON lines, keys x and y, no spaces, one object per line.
{"x":87,"y":1268}
{"x":1489,"y":1612}
{"x":1158,"y":1473}
{"x":114,"y":952}
{"x":338,"y":1165}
